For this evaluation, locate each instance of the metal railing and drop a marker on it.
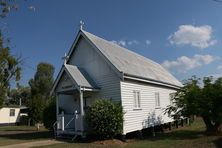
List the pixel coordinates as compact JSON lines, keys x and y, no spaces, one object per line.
{"x":55,"y":128}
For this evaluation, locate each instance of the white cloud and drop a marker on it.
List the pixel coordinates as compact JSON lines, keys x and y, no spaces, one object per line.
{"x":196,"y":36}
{"x":148,"y":42}
{"x":183,"y":64}
{"x":32,"y":8}
{"x":125,"y":43}
{"x":133,"y":42}
{"x":122,"y":43}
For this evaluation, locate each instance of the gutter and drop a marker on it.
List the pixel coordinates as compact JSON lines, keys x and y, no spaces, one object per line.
{"x":147,"y":80}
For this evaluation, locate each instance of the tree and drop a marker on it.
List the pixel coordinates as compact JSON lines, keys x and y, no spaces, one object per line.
{"x":204,"y":101}
{"x":40,"y":86}
{"x":6,"y":6}
{"x":10,"y":69}
{"x":22,"y":93}
{"x":49,"y":114}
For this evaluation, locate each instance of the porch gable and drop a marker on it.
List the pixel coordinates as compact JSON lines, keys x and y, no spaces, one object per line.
{"x":72,"y":77}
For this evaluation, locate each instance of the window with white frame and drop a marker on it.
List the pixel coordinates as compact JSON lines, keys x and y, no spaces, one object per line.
{"x":12,"y":112}
{"x":136,"y":97}
{"x":157,"y":99}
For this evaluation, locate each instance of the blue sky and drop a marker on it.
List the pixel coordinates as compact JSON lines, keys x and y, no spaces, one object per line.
{"x":184,"y":36}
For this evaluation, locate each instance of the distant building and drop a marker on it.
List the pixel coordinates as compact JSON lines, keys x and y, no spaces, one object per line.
{"x":10,"y":115}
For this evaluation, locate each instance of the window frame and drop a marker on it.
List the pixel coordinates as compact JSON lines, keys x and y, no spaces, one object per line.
{"x":136,"y":100}
{"x":157,"y":100}
{"x":12,"y":112}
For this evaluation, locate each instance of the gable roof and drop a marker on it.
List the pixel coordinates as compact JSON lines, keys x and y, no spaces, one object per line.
{"x":126,"y":63}
{"x":78,"y":76}
{"x":130,"y":63}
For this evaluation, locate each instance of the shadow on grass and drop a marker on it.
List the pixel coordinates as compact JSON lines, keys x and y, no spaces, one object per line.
{"x":15,"y":130}
{"x":174,"y":135}
{"x":178,"y":135}
{"x":218,"y":142}
{"x":169,"y":135}
{"x":29,"y":135}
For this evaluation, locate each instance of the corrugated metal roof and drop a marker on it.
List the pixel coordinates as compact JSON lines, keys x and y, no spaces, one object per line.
{"x":80,"y":76}
{"x":132,"y":63}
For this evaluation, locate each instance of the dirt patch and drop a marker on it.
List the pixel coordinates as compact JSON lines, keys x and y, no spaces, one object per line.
{"x":110,"y":142}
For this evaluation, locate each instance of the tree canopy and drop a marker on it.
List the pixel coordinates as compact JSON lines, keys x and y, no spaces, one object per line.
{"x":10,"y":69}
{"x":201,"y":99}
{"x":40,"y":86}
{"x":6,"y":6}
{"x":21,"y":92}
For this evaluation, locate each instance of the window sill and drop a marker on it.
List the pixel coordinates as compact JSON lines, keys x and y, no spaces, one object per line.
{"x":137,"y":109}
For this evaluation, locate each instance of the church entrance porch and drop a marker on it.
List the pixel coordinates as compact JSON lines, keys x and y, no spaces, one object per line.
{"x":70,"y":110}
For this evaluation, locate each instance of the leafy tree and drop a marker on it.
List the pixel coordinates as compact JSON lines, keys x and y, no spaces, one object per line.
{"x":10,"y":69}
{"x":49,"y":114}
{"x":201,"y":99}
{"x":40,"y":86}
{"x":22,"y":93}
{"x":6,"y":6}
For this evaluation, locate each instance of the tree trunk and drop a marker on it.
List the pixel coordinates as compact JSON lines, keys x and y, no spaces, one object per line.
{"x":211,"y":128}
{"x":38,"y":126}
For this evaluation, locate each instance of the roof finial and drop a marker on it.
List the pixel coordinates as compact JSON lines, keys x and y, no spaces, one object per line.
{"x":65,"y":58}
{"x":81,"y":23}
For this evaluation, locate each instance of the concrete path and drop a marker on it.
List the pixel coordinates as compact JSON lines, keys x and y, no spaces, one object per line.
{"x":32,"y":144}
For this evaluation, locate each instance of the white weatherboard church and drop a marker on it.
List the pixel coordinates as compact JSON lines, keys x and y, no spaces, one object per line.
{"x":96,"y":68}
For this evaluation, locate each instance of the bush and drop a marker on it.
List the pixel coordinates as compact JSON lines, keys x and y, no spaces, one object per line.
{"x":24,"y":120}
{"x":49,"y":115}
{"x":105,"y":118}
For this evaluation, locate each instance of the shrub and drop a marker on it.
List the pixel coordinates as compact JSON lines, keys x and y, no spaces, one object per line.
{"x":49,"y":115}
{"x":105,"y":118}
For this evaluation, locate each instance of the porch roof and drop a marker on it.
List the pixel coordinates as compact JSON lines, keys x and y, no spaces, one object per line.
{"x":80,"y":76}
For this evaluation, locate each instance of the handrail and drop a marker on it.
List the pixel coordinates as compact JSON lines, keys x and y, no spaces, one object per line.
{"x":54,"y":128}
{"x":70,"y":121}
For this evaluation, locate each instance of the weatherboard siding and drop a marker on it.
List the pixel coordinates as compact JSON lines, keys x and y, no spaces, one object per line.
{"x":147,"y":115}
{"x":86,"y":57}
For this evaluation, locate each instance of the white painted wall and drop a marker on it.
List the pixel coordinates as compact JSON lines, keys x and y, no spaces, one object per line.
{"x":86,"y":57}
{"x":5,"y":118}
{"x":148,"y":114}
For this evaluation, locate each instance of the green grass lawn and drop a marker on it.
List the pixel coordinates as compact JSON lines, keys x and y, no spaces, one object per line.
{"x":188,"y":136}
{"x":21,"y":134}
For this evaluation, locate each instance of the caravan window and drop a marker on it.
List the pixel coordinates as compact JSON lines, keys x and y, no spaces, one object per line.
{"x":12,"y":112}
